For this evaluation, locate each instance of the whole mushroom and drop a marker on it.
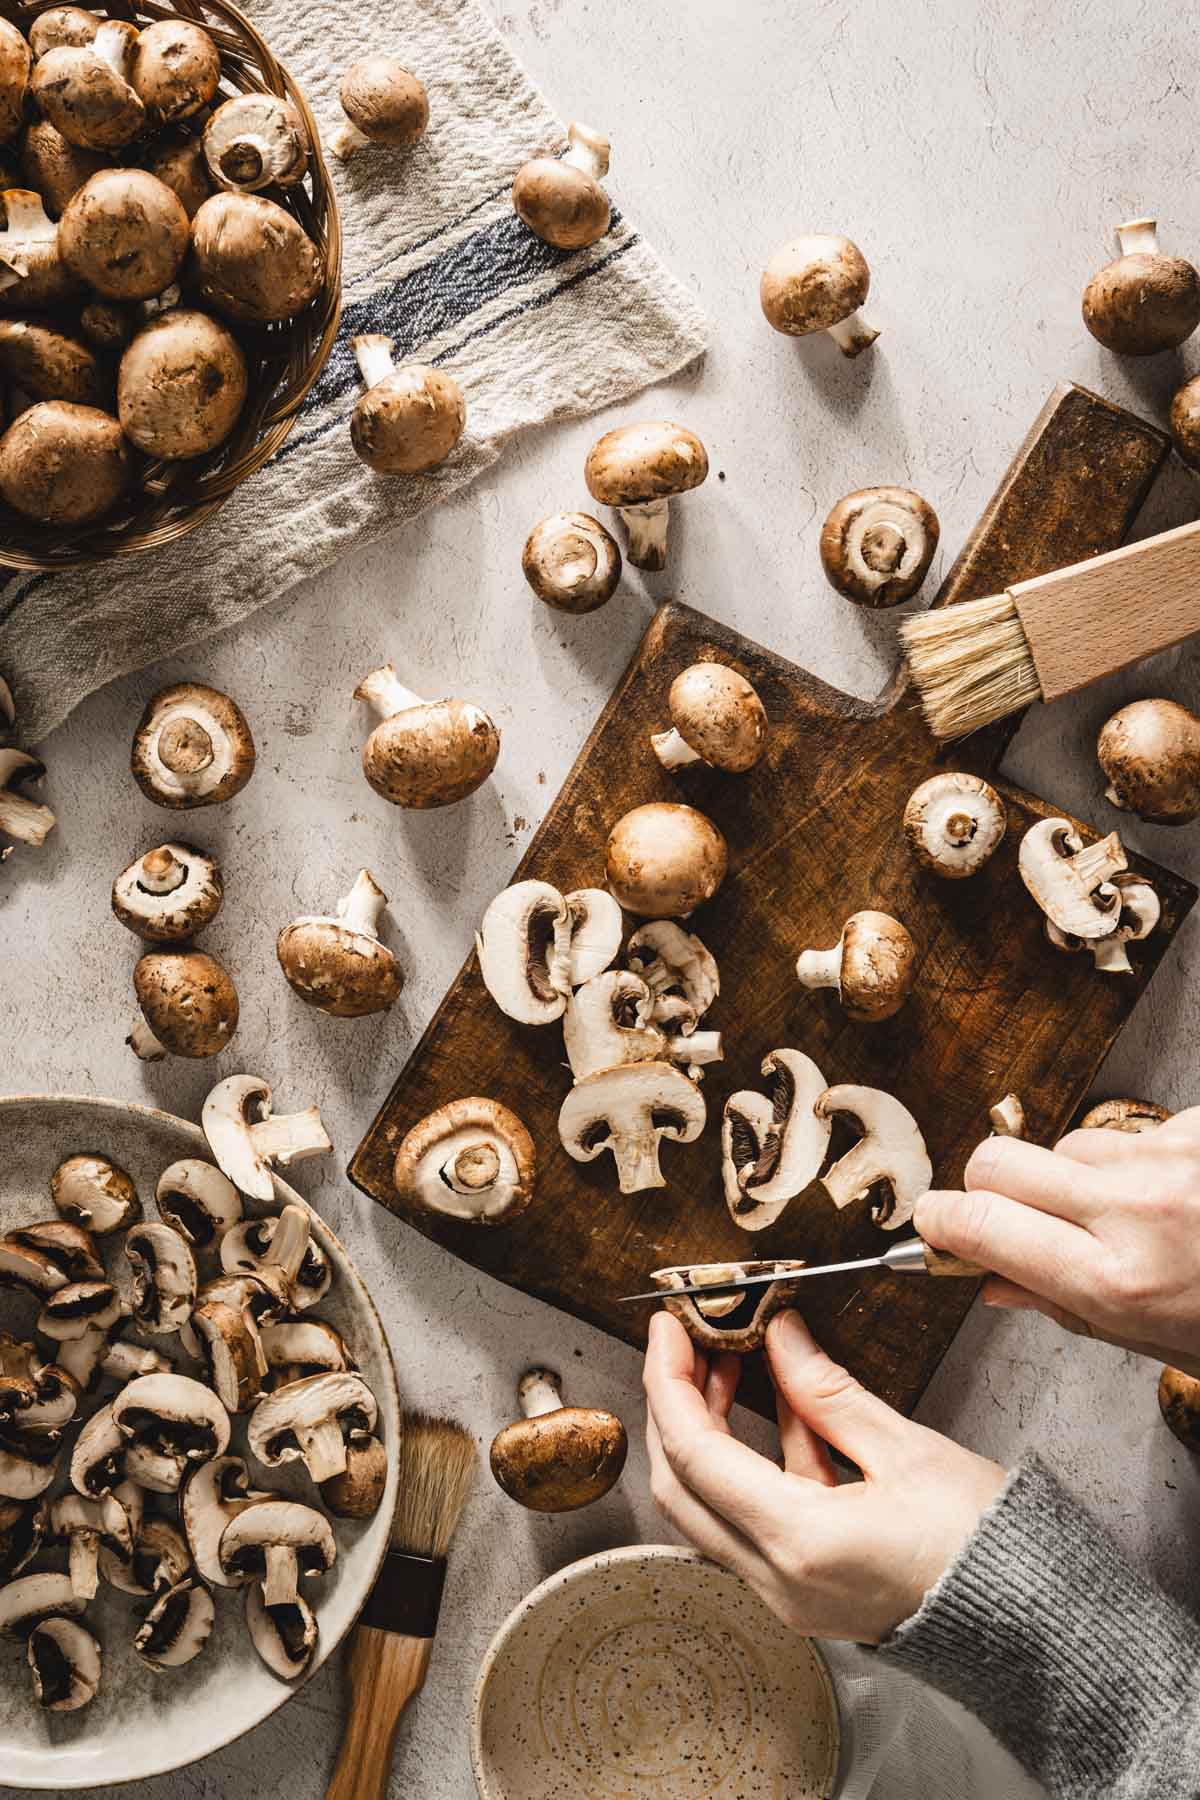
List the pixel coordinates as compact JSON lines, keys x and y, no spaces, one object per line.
{"x":1144,"y":301}
{"x":254,"y":262}
{"x":1179,"y":1404}
{"x":34,"y":273}
{"x":188,"y":1001}
{"x":181,"y":386}
{"x":1150,"y":752}
{"x":256,"y":140}
{"x":383,"y":104}
{"x":95,"y":1193}
{"x":176,"y":69}
{"x":21,"y":817}
{"x":955,"y":824}
{"x":63,"y":464}
{"x":86,"y":90}
{"x":168,"y":894}
{"x":410,"y":418}
{"x":125,"y":234}
{"x":338,"y":963}
{"x":571,"y":562}
{"x":15,"y":63}
{"x":873,"y":966}
{"x":192,"y":747}
{"x":59,"y":25}
{"x":560,"y":197}
{"x":49,"y":364}
{"x":424,"y":753}
{"x":818,"y":283}
{"x":877,"y":544}
{"x":180,"y":164}
{"x":663,"y":861}
{"x":557,"y":1458}
{"x":640,"y":469}
{"x":56,"y":168}
{"x":471,"y":1160}
{"x":717,"y":718}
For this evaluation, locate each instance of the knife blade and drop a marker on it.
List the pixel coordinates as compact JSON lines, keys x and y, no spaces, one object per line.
{"x":912,"y":1257}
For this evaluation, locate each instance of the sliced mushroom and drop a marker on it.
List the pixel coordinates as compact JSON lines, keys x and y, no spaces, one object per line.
{"x":182,"y":384}
{"x":285,"y":1637}
{"x":471,"y":1160}
{"x":198,"y":1202}
{"x":596,"y":931}
{"x":122,"y":1362}
{"x":85,"y":89}
{"x":680,"y":972}
{"x":18,"y":1384}
{"x":285,"y":1244}
{"x":818,"y":283}
{"x":261,"y":1298}
{"x":98,"y":1458}
{"x":337,"y":963}
{"x":247,"y":1139}
{"x":188,"y":1000}
{"x":29,"y":1462}
{"x":955,"y":824}
{"x":78,"y":1307}
{"x":773,"y":1146}
{"x":61,"y":464}
{"x":254,"y":141}
{"x":1007,"y":1117}
{"x":663,"y":861}
{"x":1144,"y":301}
{"x":424,"y":753}
{"x":1139,"y":915}
{"x":48,"y":364}
{"x":125,"y":234}
{"x":69,"y":1247}
{"x":877,"y":544}
{"x":20,"y":1536}
{"x":277,"y":1542}
{"x":557,"y":1458}
{"x":168,"y":1422}
{"x":81,"y":1358}
{"x":84,"y":1525}
{"x":1150,"y":753}
{"x":571,"y":562}
{"x":24,"y":1602}
{"x":409,"y":418}
{"x":253,"y":261}
{"x":890,"y":1155}
{"x":717,"y":1325}
{"x":177,"y":1627}
{"x":192,"y":747}
{"x":873,"y":966}
{"x":23,"y":1266}
{"x":160,"y":1559}
{"x":164,"y":1278}
{"x":560,"y":198}
{"x":169,"y":893}
{"x":64,"y":1662}
{"x":1072,"y":884}
{"x":311,"y":1420}
{"x":211,"y":1498}
{"x":96,"y":1193}
{"x":383,"y":104}
{"x":358,"y":1492}
{"x":629,"y":1111}
{"x":717,"y":718}
{"x":295,"y":1348}
{"x":604,"y":1026}
{"x":1123,"y":1115}
{"x":524,"y":949}
{"x":640,"y":469}
{"x":21,"y":818}
{"x":176,"y":69}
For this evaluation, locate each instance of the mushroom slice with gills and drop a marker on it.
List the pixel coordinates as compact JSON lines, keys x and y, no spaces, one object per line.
{"x":261,"y":1298}
{"x":48,"y":364}
{"x":169,"y":894}
{"x":55,"y":1401}
{"x":571,"y":562}
{"x":18,"y":1383}
{"x":176,"y":69}
{"x":168,"y":1422}
{"x":98,"y":1456}
{"x":85,"y":89}
{"x":32,"y":1597}
{"x":733,"y":1322}
{"x":873,"y":966}
{"x":717,"y":719}
{"x":192,"y":747}
{"x":84,"y":1525}
{"x":23,"y":819}
{"x":68,"y":1246}
{"x":188,"y":1001}
{"x":125,"y":234}
{"x":15,"y":62}
{"x":295,"y":1348}
{"x":1150,"y":754}
{"x":676,"y":967}
{"x":338,"y":963}
{"x":253,"y":261}
{"x":358,"y":1491}
{"x":604,"y":1025}
{"x":284,"y":1243}
{"x":662,"y":861}
{"x":311,"y":1420}
{"x":424,"y":753}
{"x":29,"y":1462}
{"x":160,"y":1559}
{"x":818,"y":283}
{"x":177,"y":1627}
{"x":1073,"y":884}
{"x":22,"y":1266}
{"x":877,"y":544}
{"x":1140,"y":913}
{"x":1007,"y":1118}
{"x":524,"y":949}
{"x":95,"y":1193}
{"x":772,"y":1148}
{"x":277,"y":1542}
{"x":890,"y":1155}
{"x":229,"y":1344}
{"x":246,"y":1138}
{"x":79,"y":1307}
{"x":64,"y":1662}
{"x":557,"y":1458}
{"x":409,"y":418}
{"x":212,"y":1497}
{"x":471,"y":1160}
{"x":639,"y":470}
{"x":182,"y":384}
{"x":63,"y":464}
{"x":164,"y":1278}
{"x":1144,"y":301}
{"x":1123,"y":1115}
{"x":560,"y":198}
{"x":629,"y":1111}
{"x":256,"y":141}
{"x":198,"y":1201}
{"x":20,"y":1536}
{"x":285,"y":1637}
{"x":383,"y":104}
{"x":955,"y":823}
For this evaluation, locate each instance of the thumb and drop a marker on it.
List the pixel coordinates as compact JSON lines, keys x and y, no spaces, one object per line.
{"x":829,"y":1399}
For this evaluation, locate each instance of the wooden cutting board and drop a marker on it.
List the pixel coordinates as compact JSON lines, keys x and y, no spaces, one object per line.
{"x":814,"y":835}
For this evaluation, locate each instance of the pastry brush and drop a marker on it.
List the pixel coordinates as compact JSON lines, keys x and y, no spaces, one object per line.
{"x":979,"y":661}
{"x":393,"y":1642}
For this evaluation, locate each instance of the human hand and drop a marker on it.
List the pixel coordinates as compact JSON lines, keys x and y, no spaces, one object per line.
{"x":837,"y":1562}
{"x":1102,"y":1233}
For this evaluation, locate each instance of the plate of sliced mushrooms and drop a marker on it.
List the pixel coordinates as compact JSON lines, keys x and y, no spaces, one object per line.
{"x":198,"y":1425}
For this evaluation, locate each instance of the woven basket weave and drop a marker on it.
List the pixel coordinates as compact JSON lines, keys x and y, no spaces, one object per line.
{"x":167,"y":500}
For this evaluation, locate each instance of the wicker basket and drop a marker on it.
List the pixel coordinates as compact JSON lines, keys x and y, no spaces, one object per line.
{"x":168,"y":500}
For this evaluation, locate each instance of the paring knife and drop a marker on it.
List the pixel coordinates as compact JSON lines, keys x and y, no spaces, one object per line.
{"x":912,"y":1257}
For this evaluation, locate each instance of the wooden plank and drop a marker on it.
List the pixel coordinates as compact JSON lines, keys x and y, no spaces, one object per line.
{"x":814,"y":836}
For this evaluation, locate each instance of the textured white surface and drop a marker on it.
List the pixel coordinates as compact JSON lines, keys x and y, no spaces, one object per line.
{"x":981,"y":155}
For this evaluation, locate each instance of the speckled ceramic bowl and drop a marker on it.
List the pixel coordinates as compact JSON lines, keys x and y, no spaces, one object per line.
{"x":144,"y":1723}
{"x":650,"y":1674}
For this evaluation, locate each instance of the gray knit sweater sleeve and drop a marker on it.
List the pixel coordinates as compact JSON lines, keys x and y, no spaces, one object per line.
{"x":1081,"y":1666}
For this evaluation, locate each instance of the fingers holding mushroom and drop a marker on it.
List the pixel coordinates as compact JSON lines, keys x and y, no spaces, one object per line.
{"x":873,"y":966}
{"x":560,"y":198}
{"x":731,"y":1322}
{"x":818,"y":283}
{"x":471,"y":1160}
{"x":192,"y":747}
{"x":424,"y":753}
{"x":1144,"y":301}
{"x":383,"y":104}
{"x":955,"y":824}
{"x":571,"y":562}
{"x":639,"y":469}
{"x":717,"y":718}
{"x":1150,"y":753}
{"x":410,"y":418}
{"x":877,"y":544}
{"x":338,"y":964}
{"x":557,"y":1458}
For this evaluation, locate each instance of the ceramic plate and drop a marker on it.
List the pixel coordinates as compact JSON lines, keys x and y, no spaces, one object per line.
{"x":144,"y":1723}
{"x":650,"y":1674}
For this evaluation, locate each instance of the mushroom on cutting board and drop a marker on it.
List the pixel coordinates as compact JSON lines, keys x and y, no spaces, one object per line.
{"x":86,"y":91}
{"x":49,"y":364}
{"x":63,"y":464}
{"x":176,"y":69}
{"x":523,"y":945}
{"x":254,"y":262}
{"x":256,"y":140}
{"x":65,"y":1662}
{"x":181,"y":385}
{"x":748,"y":1314}
{"x":471,"y":1160}
{"x":424,"y":753}
{"x":168,"y":893}
{"x":410,"y":418}
{"x":606,"y":1024}
{"x":1072,"y":884}
{"x":338,"y":963}
{"x":15,"y":63}
{"x":628,"y":1111}
{"x":23,"y":819}
{"x":95,"y":1193}
{"x":192,"y":747}
{"x":639,"y":470}
{"x":188,"y":1000}
{"x":818,"y":283}
{"x":717,"y":718}
{"x":384,"y":104}
{"x":1123,"y":1115}
{"x":663,"y":860}
{"x":773,"y":1145}
{"x":873,"y":966}
{"x":557,"y":1458}
{"x":1139,"y":915}
{"x":311,"y":1420}
{"x":246,"y":1138}
{"x":1007,"y":1117}
{"x":125,"y":234}
{"x":1150,"y":753}
{"x":1144,"y":301}
{"x":955,"y":824}
{"x":56,"y":168}
{"x":877,"y":544}
{"x":571,"y":562}
{"x":560,"y":197}
{"x":891,"y":1155}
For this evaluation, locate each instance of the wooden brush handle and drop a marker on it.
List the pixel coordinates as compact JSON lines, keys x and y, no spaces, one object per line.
{"x":1097,"y":617}
{"x":386,"y":1670}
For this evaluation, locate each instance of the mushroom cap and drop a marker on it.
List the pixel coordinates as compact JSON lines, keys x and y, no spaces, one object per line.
{"x":408,"y":422}
{"x":1123,"y":1115}
{"x":653,"y":460}
{"x":181,"y":386}
{"x":877,"y":544}
{"x":571,"y":562}
{"x":188,"y":999}
{"x":879,"y":965}
{"x":561,"y":1460}
{"x":343,"y":972}
{"x":663,"y":860}
{"x":719,"y":715}
{"x":62,"y":25}
{"x":284,"y":1636}
{"x":1185,"y":422}
{"x":387,"y":103}
{"x":955,"y":822}
{"x":170,"y":917}
{"x":47,"y":364}
{"x":564,"y":206}
{"x":125,"y":233}
{"x":254,"y":261}
{"x":63,"y":464}
{"x":95,"y":1193}
{"x":106,"y":323}
{"x":489,"y":1155}
{"x":1150,"y":752}
{"x":85,"y":97}
{"x":176,"y":69}
{"x":432,"y":754}
{"x":56,"y":168}
{"x":256,"y":140}
{"x":810,"y":283}
{"x":179,"y":162}
{"x":170,"y":719}
{"x":1179,"y":1404}
{"x":1141,"y":304}
{"x":15,"y":62}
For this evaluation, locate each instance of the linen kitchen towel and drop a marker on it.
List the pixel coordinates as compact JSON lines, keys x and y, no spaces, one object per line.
{"x":435,"y":258}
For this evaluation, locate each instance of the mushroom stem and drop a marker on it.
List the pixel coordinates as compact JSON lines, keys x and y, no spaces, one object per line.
{"x":245,"y":157}
{"x":1098,"y":863}
{"x":539,"y":1392}
{"x":289,"y":1137}
{"x":281,"y":1574}
{"x":162,"y":871}
{"x":373,"y":353}
{"x":472,"y":1168}
{"x":144,"y":1044}
{"x":647,"y":527}
{"x":348,"y":140}
{"x":852,"y":335}
{"x":700,"y":1047}
{"x":359,"y":910}
{"x":81,"y":1563}
{"x":386,"y":693}
{"x":672,"y":751}
{"x":24,"y":819}
{"x":324,"y":1450}
{"x":820,"y":968}
{"x":185,"y":748}
{"x":1138,"y":237}
{"x":959,"y":828}
{"x":589,"y":151}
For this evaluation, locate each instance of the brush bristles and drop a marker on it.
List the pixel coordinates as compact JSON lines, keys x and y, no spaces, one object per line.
{"x":436,"y":1470}
{"x":971,"y":664}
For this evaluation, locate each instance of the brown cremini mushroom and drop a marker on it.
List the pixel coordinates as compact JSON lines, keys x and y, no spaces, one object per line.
{"x":181,"y":386}
{"x":873,"y":966}
{"x":717,"y":718}
{"x":192,"y":747}
{"x":179,"y":163}
{"x":15,"y":62}
{"x":107,"y":324}
{"x":383,"y":104}
{"x":1179,"y":1404}
{"x":188,"y":1001}
{"x":54,"y":167}
{"x":176,"y":69}
{"x":471,"y":1160}
{"x":169,"y":894}
{"x":337,"y":963}
{"x":424,"y":753}
{"x":60,"y":25}
{"x":955,"y":823}
{"x":125,"y":234}
{"x":560,"y":197}
{"x":571,"y":562}
{"x":730,"y":1322}
{"x":663,"y":861}
{"x":254,"y":262}
{"x":1150,"y":752}
{"x":33,"y":273}
{"x":21,"y":818}
{"x":48,"y":364}
{"x":254,"y":141}
{"x":818,"y":283}
{"x":556,"y":1458}
{"x":1123,"y":1115}
{"x":877,"y":544}
{"x":1144,"y":301}
{"x":86,"y":91}
{"x":410,"y":418}
{"x":1185,"y":422}
{"x":639,"y":470}
{"x":95,"y":1193}
{"x":63,"y":464}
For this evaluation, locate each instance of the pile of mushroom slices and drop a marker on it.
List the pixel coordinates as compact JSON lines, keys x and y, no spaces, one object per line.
{"x":115,"y":1443}
{"x":124,"y":175}
{"x":1091,"y":898}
